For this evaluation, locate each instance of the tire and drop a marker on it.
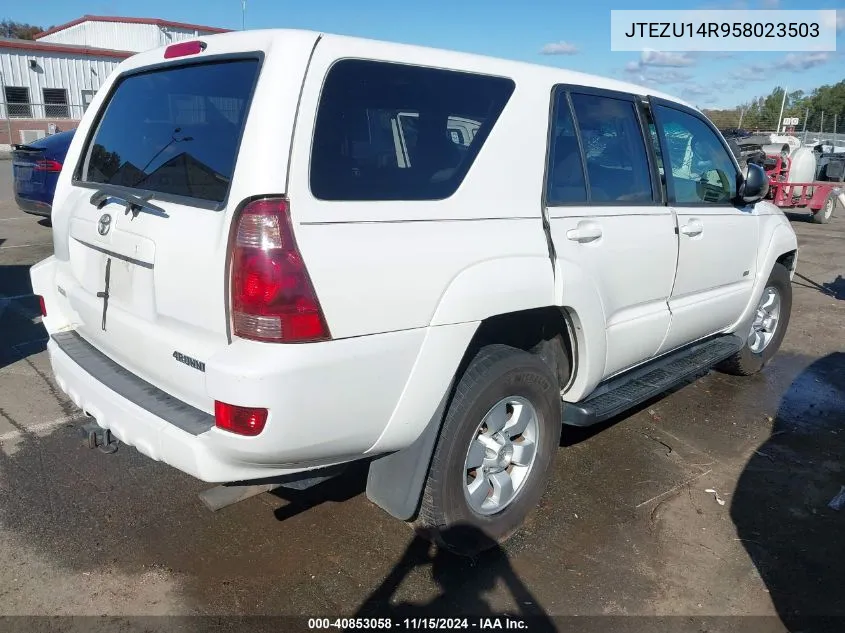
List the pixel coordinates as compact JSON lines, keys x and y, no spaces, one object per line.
{"x":823,"y":215}
{"x":497,"y":373}
{"x":747,"y":361}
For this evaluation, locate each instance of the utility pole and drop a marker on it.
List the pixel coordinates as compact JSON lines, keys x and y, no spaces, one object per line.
{"x":821,"y":126}
{"x":806,"y":116}
{"x":741,"y":115}
{"x":782,"y":105}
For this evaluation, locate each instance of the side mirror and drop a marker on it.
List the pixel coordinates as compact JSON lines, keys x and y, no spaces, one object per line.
{"x":754,"y":185}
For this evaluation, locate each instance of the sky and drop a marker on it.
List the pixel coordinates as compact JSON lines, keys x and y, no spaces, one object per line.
{"x":573,"y":34}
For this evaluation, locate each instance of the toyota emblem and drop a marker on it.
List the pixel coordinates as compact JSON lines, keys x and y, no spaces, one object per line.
{"x":104,"y":224}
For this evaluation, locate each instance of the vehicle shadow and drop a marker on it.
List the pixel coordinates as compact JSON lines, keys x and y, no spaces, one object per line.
{"x":780,"y":506}
{"x":792,"y":216}
{"x":836,"y":288}
{"x":21,"y":332}
{"x":348,"y":484}
{"x":462,"y":582}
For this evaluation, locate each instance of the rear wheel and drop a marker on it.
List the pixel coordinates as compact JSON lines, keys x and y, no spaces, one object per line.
{"x":771,"y":319}
{"x":823,"y":215}
{"x":491,"y":462}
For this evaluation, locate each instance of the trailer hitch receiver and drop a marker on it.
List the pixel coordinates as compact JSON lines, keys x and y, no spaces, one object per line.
{"x":95,"y":436}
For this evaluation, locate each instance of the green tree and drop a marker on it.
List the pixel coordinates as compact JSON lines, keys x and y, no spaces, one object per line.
{"x":19,"y":30}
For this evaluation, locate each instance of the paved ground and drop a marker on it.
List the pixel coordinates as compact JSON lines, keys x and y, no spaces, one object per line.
{"x":626,"y":528}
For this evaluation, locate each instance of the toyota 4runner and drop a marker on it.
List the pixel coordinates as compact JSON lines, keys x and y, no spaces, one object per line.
{"x":280,"y":251}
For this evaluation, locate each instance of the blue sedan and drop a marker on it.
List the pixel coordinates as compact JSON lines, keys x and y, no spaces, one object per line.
{"x":35,"y":170}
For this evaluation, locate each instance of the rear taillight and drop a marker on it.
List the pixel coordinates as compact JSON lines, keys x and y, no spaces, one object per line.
{"x":240,"y":420}
{"x":272,"y":296}
{"x":184,"y":48}
{"x":42,"y":305}
{"x":48,"y":165}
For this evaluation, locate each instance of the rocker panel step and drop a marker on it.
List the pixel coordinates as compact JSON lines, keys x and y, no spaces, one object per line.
{"x":638,"y":385}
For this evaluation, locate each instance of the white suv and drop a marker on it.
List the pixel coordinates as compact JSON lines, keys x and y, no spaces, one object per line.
{"x":278,"y":251}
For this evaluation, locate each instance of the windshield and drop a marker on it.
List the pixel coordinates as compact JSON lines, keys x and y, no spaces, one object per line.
{"x":174,"y":131}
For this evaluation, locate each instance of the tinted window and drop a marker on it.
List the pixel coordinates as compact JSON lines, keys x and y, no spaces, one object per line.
{"x":174,"y":131}
{"x":702,"y":169}
{"x":397,"y":132}
{"x":617,"y":164}
{"x":565,"y":170}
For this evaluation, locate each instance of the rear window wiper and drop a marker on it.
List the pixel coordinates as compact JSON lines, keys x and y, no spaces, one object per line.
{"x":134,"y":204}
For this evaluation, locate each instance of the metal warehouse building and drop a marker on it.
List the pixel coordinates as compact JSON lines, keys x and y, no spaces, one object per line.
{"x":46,"y":84}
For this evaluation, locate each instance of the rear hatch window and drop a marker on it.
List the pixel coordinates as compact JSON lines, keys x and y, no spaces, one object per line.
{"x":173,"y":131}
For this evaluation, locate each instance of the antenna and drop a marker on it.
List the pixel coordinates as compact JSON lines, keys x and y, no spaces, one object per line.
{"x":243,"y":15}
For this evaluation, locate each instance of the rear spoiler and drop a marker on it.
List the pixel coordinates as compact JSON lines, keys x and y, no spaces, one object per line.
{"x":26,"y":148}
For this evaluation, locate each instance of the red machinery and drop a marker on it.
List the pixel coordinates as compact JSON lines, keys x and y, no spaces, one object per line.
{"x":818,"y":197}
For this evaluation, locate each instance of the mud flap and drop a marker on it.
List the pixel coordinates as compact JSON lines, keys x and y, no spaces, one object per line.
{"x":395,"y":482}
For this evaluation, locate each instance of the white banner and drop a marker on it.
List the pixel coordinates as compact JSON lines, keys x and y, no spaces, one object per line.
{"x":745,"y":30}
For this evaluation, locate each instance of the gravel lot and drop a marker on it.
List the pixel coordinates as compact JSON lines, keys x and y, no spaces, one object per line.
{"x":627,"y":526}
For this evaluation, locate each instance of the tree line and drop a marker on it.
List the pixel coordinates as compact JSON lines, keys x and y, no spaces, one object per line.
{"x":819,"y":108}
{"x":19,"y":30}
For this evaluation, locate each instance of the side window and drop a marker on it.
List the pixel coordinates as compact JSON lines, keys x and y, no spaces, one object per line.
{"x":383,"y":130}
{"x":701,"y":168}
{"x":565,"y":173}
{"x":617,"y":163}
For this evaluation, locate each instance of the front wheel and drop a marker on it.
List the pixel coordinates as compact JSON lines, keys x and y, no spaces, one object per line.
{"x":491,"y":462}
{"x":771,"y":319}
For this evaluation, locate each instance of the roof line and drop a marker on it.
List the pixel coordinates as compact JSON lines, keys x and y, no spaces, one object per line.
{"x":114,"y":18}
{"x":29,"y":45}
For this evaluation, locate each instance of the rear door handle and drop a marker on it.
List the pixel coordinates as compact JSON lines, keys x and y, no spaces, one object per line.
{"x":584,"y":234}
{"x":693,"y":228}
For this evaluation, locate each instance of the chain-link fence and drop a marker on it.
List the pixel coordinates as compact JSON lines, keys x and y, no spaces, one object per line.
{"x":807,"y":125}
{"x":22,"y":122}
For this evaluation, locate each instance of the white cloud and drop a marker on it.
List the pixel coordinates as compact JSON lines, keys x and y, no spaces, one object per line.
{"x":802,"y":61}
{"x":696,"y":91}
{"x":643,"y":69}
{"x":559,"y":48}
{"x":838,"y":20}
{"x":656,"y":76}
{"x":792,"y":62}
{"x":662,"y":58}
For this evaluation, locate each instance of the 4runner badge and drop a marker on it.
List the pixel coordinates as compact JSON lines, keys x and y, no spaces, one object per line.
{"x":190,"y":362}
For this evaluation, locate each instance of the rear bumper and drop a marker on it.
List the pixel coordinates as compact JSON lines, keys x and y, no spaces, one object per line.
{"x":330,"y":402}
{"x":33,"y":207}
{"x":136,"y":426}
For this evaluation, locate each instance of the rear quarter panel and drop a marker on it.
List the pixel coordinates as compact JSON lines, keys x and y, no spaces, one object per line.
{"x":438,"y":266}
{"x":383,"y":266}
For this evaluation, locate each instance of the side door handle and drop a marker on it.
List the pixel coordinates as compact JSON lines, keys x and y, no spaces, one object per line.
{"x":584,"y":233}
{"x":693,"y":228}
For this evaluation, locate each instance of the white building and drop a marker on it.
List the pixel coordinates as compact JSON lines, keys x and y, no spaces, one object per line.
{"x":46,"y":84}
